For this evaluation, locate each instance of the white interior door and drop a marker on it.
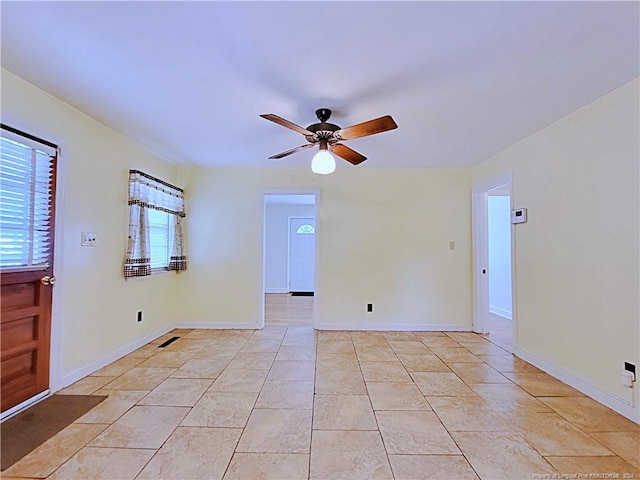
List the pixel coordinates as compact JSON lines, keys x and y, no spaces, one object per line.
{"x":302,"y":247}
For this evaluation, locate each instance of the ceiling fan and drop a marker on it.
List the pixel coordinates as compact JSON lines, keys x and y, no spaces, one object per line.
{"x":328,"y":136}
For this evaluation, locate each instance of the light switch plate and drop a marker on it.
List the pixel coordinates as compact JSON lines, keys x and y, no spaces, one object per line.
{"x":88,"y":239}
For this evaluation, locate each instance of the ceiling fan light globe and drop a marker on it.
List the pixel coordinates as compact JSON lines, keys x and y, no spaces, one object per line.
{"x":323,"y":163}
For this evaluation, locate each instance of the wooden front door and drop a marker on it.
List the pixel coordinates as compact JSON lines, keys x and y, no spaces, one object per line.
{"x":25,"y":290}
{"x":26,"y":334}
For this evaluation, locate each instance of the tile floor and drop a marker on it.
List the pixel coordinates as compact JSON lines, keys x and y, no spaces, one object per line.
{"x":290,"y":403}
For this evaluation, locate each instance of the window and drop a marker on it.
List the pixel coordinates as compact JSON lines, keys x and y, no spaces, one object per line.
{"x":159,"y":235}
{"x":156,"y":240}
{"x":26,"y":181}
{"x":306,"y":229}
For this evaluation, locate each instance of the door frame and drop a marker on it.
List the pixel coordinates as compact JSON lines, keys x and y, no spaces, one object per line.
{"x":289,"y":250}
{"x":480,"y":238}
{"x":263,"y":231}
{"x":57,"y":294}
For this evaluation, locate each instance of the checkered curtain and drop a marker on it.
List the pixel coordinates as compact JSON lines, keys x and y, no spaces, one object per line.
{"x":147,"y":192}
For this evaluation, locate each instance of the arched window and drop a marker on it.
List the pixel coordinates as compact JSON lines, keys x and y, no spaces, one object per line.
{"x":306,"y":229}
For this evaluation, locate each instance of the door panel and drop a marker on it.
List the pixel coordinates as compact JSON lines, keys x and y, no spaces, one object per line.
{"x":302,"y":254}
{"x":26,"y":331}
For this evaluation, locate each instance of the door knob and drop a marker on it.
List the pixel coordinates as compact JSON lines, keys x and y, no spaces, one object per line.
{"x":48,"y":281}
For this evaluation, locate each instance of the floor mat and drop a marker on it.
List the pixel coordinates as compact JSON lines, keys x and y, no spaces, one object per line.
{"x":28,"y":430}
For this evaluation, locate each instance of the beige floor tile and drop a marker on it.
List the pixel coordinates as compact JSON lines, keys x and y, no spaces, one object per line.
{"x":597,"y":467}
{"x":104,"y":463}
{"x":113,"y":407}
{"x":589,"y":415}
{"x":141,"y":427}
{"x":177,"y":392}
{"x":501,"y":455}
{"x":139,"y":378}
{"x":343,"y":412}
{"x":376,"y":354}
{"x":221,"y":409}
{"x":439,"y":342}
{"x":268,"y":466}
{"x":384,"y":372}
{"x":441,"y":384}
{"x":166,"y":359}
{"x":423,"y":363}
{"x":550,"y":434}
{"x":337,"y":361}
{"x":336,"y":346}
{"x":368,"y":339}
{"x":221,"y":349}
{"x":291,"y":371}
{"x":431,"y":467}
{"x":277,"y":431}
{"x":352,"y":455}
{"x":484,"y":348}
{"x":466,"y":336}
{"x":186,"y":345}
{"x":143,"y":352}
{"x":400,"y":336}
{"x":478,"y":373}
{"x":623,"y":444}
{"x":333,"y":335}
{"x":46,"y":458}
{"x":467,"y":414}
{"x":259,"y":345}
{"x":509,"y":398}
{"x":414,"y":433}
{"x":296,"y":353}
{"x":86,"y":386}
{"x":396,"y":396}
{"x":117,"y":368}
{"x":238,"y":380}
{"x":270,"y":333}
{"x":542,"y":385}
{"x":282,"y":394}
{"x":199,"y":367}
{"x":413,"y":347}
{"x":455,"y":355}
{"x":339,"y":383}
{"x":192,"y":452}
{"x":253,"y":361}
{"x":300,"y":341}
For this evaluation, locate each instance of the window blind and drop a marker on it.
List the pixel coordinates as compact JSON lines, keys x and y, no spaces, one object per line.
{"x":26,"y":175}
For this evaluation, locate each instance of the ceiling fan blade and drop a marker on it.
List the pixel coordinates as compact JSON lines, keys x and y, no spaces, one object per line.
{"x":286,"y":123}
{"x":291,"y":152}
{"x":364,"y":129}
{"x":347,"y":153}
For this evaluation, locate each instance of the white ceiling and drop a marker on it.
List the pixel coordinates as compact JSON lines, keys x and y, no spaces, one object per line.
{"x":187,"y":80}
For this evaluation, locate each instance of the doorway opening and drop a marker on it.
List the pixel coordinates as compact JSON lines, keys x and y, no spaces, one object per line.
{"x":494,"y":312}
{"x":289,"y":252}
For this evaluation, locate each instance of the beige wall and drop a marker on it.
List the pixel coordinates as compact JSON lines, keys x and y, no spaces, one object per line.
{"x":383,"y":239}
{"x":94,"y":307}
{"x":577,"y":257}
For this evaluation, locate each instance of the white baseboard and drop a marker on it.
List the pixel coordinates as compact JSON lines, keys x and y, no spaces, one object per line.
{"x":614,"y":402}
{"x":277,"y":290}
{"x":393,"y":327}
{"x":73,"y":377}
{"x":500,"y":312}
{"x":218,"y":326}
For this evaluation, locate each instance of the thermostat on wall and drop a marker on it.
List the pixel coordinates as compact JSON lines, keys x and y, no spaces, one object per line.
{"x":519,"y":215}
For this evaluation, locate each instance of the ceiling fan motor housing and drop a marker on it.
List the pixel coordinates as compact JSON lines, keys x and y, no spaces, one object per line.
{"x":322,"y":130}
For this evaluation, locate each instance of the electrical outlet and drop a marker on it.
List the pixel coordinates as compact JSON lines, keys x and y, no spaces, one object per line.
{"x":452,"y":245}
{"x":369,"y":307}
{"x":140,"y":316}
{"x":88,"y":239}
